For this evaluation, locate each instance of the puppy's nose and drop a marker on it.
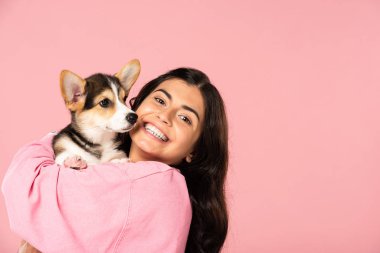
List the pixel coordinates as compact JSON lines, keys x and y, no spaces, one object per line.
{"x":132,"y":117}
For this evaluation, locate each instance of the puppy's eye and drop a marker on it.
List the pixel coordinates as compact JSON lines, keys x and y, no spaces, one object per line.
{"x":105,"y":103}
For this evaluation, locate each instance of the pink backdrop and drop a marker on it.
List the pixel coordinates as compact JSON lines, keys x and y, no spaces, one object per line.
{"x":300,"y":79}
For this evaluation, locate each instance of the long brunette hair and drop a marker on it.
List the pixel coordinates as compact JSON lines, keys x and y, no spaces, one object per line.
{"x":205,"y":175}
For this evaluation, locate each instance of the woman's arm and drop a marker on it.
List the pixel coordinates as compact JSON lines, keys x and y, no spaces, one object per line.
{"x":136,"y":206}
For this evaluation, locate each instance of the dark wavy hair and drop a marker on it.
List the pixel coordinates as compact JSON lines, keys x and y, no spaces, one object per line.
{"x":205,"y":175}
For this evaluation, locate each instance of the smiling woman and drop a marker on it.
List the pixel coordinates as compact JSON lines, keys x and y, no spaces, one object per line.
{"x":182,"y":122}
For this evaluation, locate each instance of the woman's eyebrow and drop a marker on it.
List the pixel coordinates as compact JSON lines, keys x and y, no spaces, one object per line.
{"x":188,"y":108}
{"x":191,"y":110}
{"x":166,"y":93}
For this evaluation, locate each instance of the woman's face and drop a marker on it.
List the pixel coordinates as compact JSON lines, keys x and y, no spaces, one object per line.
{"x":169,"y":124}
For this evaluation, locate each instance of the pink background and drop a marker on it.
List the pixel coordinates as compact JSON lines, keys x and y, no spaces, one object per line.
{"x":300,"y":79}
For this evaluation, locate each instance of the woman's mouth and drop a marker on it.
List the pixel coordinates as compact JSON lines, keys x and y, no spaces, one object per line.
{"x":155,"y":132}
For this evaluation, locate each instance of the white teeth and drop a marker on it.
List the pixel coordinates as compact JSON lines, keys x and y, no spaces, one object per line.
{"x":157,"y":133}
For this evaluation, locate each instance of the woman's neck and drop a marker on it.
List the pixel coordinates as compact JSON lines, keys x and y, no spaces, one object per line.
{"x":138,"y":155}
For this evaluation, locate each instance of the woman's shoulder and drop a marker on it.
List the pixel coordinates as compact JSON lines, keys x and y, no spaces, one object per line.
{"x":143,"y":172}
{"x":158,"y":182}
{"x":143,"y":169}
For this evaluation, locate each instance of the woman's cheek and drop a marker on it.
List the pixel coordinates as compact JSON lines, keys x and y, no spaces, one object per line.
{"x":145,"y":108}
{"x":185,"y":136}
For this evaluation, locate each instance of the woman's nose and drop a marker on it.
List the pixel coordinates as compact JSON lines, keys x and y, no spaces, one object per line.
{"x":165,"y":116}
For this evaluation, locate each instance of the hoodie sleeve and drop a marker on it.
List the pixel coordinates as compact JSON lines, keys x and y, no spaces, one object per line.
{"x":133,"y":207}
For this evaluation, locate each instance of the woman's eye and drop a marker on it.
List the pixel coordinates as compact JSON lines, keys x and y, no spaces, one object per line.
{"x":105,"y":103}
{"x":159,"y":100}
{"x":186,"y":119}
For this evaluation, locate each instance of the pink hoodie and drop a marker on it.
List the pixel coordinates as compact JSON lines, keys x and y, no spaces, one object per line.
{"x":131,"y":207}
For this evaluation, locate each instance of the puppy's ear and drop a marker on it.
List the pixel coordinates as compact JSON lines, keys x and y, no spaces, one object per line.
{"x":129,"y":73}
{"x":72,"y":89}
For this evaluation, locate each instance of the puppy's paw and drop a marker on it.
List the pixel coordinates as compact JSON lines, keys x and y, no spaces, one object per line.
{"x":75,"y":162}
{"x":121,"y":160}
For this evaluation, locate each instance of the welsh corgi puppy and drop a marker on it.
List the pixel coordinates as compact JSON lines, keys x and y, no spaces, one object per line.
{"x":98,"y":114}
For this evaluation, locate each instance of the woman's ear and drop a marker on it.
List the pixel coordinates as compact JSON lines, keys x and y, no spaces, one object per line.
{"x":189,"y":158}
